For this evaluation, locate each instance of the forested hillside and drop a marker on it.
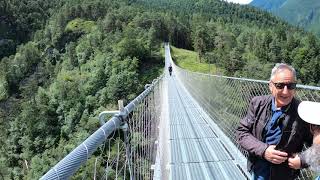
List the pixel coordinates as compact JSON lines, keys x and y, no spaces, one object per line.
{"x":19,"y":19}
{"x":80,"y":57}
{"x":86,"y":57}
{"x":240,"y":39}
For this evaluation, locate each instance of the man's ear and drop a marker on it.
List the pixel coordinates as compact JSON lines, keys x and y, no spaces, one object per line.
{"x":270,"y":86}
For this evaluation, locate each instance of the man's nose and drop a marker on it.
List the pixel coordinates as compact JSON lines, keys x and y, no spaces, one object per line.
{"x":285,"y":90}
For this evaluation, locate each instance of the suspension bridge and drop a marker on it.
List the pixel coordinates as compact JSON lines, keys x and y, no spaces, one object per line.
{"x":182,"y":127}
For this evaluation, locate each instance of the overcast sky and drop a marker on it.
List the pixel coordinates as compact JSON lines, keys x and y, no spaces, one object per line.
{"x":240,"y":1}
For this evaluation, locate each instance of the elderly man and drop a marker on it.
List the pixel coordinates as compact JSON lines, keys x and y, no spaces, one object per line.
{"x":272,"y":130}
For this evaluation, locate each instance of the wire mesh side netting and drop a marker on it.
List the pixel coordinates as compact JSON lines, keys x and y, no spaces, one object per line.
{"x":226,"y":99}
{"x":131,"y":151}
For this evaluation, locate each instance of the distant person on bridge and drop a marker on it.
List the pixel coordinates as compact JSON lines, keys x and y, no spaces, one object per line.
{"x":309,"y":112}
{"x":272,"y":131}
{"x":170,"y":69}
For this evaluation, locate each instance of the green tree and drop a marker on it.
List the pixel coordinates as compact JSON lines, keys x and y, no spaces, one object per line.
{"x":71,"y":54}
{"x":235,"y":62}
{"x":123,"y":79}
{"x":274,"y":53}
{"x":4,"y":87}
{"x":200,"y":41}
{"x":129,"y":47}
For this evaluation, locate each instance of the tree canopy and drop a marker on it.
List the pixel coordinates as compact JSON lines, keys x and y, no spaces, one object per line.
{"x":63,"y":62}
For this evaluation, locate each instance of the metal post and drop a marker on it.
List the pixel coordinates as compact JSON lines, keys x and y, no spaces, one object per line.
{"x":120,"y":104}
{"x":104,"y":113}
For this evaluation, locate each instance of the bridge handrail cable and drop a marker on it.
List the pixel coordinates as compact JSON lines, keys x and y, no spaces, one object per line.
{"x":70,"y":163}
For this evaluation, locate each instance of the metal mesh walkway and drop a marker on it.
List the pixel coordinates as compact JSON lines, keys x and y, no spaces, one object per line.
{"x":197,"y":150}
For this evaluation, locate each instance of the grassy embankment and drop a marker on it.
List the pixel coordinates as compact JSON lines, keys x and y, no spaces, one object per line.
{"x":189,"y":60}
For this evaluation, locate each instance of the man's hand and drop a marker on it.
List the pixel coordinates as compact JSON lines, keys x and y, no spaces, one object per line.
{"x":294,"y":162}
{"x":275,"y":156}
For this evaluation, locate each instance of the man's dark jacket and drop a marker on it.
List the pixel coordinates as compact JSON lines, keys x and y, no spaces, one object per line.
{"x":295,"y":133}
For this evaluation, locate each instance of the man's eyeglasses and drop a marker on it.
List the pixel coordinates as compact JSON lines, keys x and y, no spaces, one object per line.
{"x":282,"y":85}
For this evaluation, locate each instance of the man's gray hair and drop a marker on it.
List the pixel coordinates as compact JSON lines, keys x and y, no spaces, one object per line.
{"x":281,"y":66}
{"x":312,"y":155}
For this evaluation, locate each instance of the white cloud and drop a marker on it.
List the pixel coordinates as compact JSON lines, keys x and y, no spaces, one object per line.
{"x":240,"y":1}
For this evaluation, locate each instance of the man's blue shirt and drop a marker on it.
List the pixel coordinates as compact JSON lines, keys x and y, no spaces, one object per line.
{"x":273,"y":133}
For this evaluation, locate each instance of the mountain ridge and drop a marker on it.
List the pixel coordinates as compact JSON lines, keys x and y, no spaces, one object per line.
{"x":268,"y":4}
{"x":305,"y":14}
